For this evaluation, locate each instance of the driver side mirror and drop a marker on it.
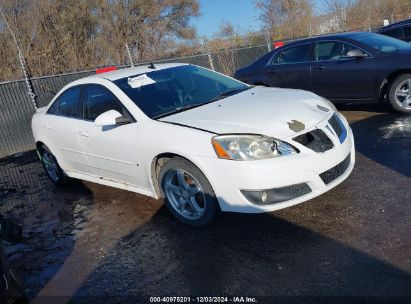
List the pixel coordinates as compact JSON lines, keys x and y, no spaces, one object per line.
{"x":111,"y":118}
{"x":356,"y":53}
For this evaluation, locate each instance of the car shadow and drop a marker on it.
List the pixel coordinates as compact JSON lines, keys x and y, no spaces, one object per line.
{"x":381,"y":107}
{"x":240,"y":255}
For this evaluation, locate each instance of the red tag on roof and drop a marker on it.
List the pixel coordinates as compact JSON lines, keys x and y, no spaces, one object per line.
{"x":105,"y":70}
{"x":278,"y":44}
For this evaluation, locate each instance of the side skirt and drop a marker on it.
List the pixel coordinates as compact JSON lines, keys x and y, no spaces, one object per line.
{"x":111,"y":183}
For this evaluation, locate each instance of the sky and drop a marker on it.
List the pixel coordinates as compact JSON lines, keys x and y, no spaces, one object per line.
{"x":241,"y":13}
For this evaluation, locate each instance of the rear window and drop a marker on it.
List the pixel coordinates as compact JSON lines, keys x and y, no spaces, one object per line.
{"x":395,"y":33}
{"x":407,"y":32}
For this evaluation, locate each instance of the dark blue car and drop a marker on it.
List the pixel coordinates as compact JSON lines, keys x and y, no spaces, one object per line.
{"x":344,"y":67}
{"x":400,"y":30}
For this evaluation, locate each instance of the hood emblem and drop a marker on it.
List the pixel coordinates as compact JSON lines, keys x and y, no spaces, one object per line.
{"x":296,"y":125}
{"x":323,"y":108}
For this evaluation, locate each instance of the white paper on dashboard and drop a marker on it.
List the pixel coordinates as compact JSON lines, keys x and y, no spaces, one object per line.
{"x":140,"y":81}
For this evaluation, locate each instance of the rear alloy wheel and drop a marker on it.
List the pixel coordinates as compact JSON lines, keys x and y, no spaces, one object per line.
{"x":400,"y":94}
{"x":188,"y":193}
{"x":51,"y":167}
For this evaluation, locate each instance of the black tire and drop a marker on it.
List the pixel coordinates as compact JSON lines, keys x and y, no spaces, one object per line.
{"x":211,"y":206}
{"x":60,"y":178}
{"x":391,"y":93}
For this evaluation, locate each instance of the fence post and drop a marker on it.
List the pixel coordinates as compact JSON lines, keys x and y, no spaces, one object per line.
{"x":129,"y":55}
{"x":30,"y":91}
{"x":210,"y":59}
{"x":267,"y":39}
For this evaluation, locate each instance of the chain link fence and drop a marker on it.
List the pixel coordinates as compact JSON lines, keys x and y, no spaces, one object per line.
{"x":16,"y":107}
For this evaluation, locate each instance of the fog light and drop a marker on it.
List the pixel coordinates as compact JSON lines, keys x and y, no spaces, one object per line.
{"x":276,"y":195}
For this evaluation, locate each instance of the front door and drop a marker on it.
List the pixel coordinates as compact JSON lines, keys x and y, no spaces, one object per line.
{"x":338,"y":77}
{"x":113,"y":151}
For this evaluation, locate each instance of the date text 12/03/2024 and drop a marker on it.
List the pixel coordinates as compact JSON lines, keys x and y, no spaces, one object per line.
{"x":237,"y":299}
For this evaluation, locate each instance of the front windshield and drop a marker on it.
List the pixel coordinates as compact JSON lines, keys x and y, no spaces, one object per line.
{"x":381,"y":43}
{"x":169,"y":91}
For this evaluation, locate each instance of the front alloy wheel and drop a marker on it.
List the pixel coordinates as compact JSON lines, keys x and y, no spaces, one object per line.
{"x":185,"y":194}
{"x":189,"y":195}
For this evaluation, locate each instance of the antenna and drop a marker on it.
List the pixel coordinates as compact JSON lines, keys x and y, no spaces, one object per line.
{"x":151,"y":66}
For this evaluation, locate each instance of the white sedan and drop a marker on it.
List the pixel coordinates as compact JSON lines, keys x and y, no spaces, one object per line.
{"x":203,"y":141}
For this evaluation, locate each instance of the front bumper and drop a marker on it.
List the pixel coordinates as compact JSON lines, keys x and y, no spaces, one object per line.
{"x":228,"y":178}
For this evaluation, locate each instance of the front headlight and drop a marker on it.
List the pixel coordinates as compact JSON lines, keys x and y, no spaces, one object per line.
{"x":330,"y":104}
{"x":250,"y":147}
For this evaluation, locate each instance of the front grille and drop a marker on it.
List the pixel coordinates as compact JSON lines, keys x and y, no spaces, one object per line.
{"x":315,"y":140}
{"x":338,"y":127}
{"x":335,"y":172}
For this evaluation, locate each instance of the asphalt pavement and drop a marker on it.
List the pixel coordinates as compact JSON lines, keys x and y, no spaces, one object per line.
{"x":90,"y":243}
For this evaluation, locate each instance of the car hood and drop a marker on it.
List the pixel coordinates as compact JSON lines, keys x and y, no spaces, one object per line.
{"x":280,"y":113}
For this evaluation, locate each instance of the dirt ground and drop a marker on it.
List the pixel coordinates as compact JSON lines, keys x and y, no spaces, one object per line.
{"x":91,"y":243}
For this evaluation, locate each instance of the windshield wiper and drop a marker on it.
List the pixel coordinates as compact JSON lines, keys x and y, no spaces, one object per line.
{"x":232,"y":92}
{"x":178,"y":110}
{"x":229,"y":93}
{"x":192,"y":106}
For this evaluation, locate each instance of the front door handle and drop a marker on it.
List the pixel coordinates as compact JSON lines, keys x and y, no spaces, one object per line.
{"x":84,"y":133}
{"x":273,"y":71}
{"x":319,"y":67}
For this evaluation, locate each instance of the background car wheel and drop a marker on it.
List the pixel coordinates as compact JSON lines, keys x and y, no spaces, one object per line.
{"x":189,"y":195}
{"x":399,"y":94}
{"x":52,"y":167}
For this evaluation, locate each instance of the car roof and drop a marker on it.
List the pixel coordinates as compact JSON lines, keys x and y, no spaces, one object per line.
{"x":393,"y":25}
{"x":127,"y":72}
{"x":346,"y":35}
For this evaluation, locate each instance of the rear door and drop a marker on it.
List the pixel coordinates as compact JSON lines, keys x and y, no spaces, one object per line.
{"x":113,"y":151}
{"x":61,"y":123}
{"x":290,"y":68}
{"x":337,"y":77}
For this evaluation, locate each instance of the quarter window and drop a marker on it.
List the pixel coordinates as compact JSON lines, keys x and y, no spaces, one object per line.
{"x":67,"y":104}
{"x":98,"y":100}
{"x":300,"y":53}
{"x":332,"y":50}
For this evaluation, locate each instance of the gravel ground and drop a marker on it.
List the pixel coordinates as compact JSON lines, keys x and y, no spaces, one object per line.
{"x":91,"y":243}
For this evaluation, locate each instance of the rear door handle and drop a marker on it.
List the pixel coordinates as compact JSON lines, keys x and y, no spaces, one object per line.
{"x":319,"y":67}
{"x":84,"y":133}
{"x":273,"y":71}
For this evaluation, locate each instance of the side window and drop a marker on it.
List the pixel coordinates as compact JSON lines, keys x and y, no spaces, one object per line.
{"x":332,"y":50}
{"x":300,"y":53}
{"x":98,"y":100}
{"x":67,"y":104}
{"x":407,"y":33}
{"x":396,"y":33}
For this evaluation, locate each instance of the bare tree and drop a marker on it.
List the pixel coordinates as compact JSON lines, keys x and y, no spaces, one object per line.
{"x":62,"y":35}
{"x":287,"y":18}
